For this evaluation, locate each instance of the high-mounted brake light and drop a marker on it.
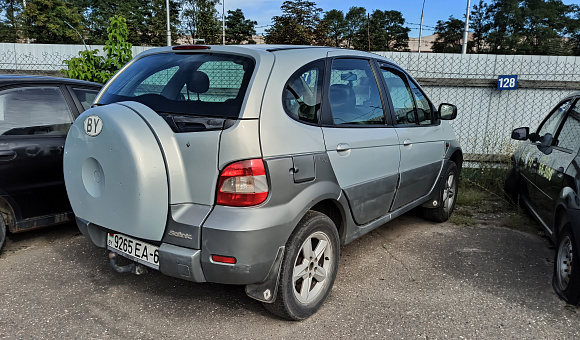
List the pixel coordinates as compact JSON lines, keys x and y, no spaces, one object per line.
{"x":243,"y":184}
{"x":191,"y":47}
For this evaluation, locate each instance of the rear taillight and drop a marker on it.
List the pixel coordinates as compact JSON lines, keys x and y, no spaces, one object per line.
{"x":243,"y":184}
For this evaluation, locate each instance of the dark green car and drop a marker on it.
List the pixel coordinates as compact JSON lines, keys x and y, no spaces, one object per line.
{"x":546,"y":179}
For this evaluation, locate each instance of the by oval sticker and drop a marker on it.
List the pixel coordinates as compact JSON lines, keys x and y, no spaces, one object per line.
{"x":93,"y":125}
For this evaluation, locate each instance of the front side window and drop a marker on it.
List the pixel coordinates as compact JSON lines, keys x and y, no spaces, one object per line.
{"x":185,"y":83}
{"x":424,"y":110}
{"x":549,"y":128}
{"x":301,"y":96}
{"x":401,"y":96}
{"x":569,"y":137}
{"x":353,"y":93}
{"x":34,"y":111}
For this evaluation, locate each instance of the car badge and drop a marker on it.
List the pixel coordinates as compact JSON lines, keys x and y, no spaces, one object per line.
{"x":93,"y":125}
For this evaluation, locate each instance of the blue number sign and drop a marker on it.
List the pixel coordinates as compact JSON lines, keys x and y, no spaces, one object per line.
{"x":507,"y":82}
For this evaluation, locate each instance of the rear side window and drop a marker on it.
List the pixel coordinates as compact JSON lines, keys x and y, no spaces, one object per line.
{"x":86,"y":97}
{"x":34,"y":111}
{"x":301,"y":96}
{"x":185,"y":83}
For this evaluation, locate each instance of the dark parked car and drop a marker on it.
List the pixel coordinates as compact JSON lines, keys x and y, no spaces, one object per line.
{"x":546,"y":177}
{"x":35,"y":116}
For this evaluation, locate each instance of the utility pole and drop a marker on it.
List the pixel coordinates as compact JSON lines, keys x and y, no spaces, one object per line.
{"x":369,"y":30}
{"x":223,"y":22}
{"x":168,"y":24}
{"x":27,"y":38}
{"x":421,"y":27}
{"x":466,"y":32}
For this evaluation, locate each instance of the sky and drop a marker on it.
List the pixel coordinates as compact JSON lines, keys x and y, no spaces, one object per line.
{"x":262,"y":11}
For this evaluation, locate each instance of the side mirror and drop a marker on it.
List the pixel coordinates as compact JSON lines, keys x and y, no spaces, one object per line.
{"x":447,"y":111}
{"x":521,"y":133}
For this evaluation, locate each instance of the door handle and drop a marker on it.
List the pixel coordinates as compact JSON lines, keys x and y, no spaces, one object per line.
{"x":342,"y":147}
{"x":407,"y":142}
{"x":560,"y":172}
{"x":7,"y":155}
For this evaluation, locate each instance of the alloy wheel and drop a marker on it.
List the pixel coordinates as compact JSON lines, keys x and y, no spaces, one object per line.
{"x":311,"y":267}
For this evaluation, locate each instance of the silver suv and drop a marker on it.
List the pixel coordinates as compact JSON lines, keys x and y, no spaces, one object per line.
{"x":252,"y":165}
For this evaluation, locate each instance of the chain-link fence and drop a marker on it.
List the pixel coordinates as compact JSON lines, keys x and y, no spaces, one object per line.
{"x":43,"y":59}
{"x":486,"y":115}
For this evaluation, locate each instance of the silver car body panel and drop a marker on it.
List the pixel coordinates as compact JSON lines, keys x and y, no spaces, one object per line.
{"x":366,"y":163}
{"x":176,"y":174}
{"x":421,"y":161}
{"x":280,"y":134}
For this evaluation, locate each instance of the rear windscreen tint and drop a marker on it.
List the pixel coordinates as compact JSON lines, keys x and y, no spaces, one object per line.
{"x":185,"y":83}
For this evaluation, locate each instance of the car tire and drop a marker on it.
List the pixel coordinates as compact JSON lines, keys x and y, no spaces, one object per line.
{"x":510,"y":186}
{"x":306,"y":277}
{"x":566,"y":279}
{"x":446,"y":196}
{"x":2,"y":232}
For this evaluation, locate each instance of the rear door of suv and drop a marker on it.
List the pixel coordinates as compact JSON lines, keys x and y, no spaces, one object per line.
{"x":363,"y":149}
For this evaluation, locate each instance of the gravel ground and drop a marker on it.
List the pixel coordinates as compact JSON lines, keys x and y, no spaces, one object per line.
{"x":409,"y":279}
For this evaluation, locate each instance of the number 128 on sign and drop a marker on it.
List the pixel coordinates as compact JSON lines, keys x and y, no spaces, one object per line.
{"x":507,"y":82}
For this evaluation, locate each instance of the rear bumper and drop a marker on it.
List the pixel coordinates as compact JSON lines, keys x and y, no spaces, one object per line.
{"x":253,"y":237}
{"x":180,"y":262}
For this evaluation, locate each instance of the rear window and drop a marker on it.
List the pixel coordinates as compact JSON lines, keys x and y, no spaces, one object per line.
{"x":185,"y":83}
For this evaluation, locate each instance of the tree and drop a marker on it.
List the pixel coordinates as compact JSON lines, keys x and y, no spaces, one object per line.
{"x":506,"y":25}
{"x":355,"y":18}
{"x":238,"y":28}
{"x":99,"y":12}
{"x":46,"y":22}
{"x":574,"y":31}
{"x":449,"y":36}
{"x":199,"y":20}
{"x":544,"y":25}
{"x":9,"y":23}
{"x":156,"y":20}
{"x":479,"y":25}
{"x":337,"y":27}
{"x":383,"y":31}
{"x":93,"y":67}
{"x":298,"y":24}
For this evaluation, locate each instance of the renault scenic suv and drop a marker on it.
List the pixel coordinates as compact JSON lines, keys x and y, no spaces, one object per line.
{"x":252,"y":165}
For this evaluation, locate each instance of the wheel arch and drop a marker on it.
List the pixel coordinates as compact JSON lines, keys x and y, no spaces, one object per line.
{"x":566,"y":201}
{"x":457,"y":158}
{"x":8,"y":214}
{"x":334,"y":210}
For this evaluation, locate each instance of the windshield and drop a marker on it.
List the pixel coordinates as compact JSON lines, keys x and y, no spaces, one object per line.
{"x":185,"y":83}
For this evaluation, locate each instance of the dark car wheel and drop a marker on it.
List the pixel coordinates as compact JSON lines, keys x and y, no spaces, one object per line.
{"x":447,"y":195}
{"x":2,"y":232}
{"x":510,"y":186}
{"x":309,"y":268}
{"x":566,"y":280}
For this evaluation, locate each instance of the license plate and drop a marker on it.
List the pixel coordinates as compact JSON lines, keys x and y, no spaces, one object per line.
{"x":133,"y":249}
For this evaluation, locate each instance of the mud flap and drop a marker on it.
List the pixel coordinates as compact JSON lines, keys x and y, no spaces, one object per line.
{"x":266,"y":291}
